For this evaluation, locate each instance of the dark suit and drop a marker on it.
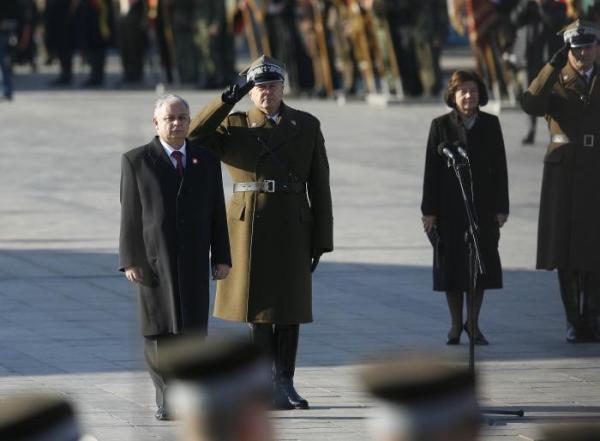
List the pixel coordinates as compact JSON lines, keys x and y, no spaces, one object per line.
{"x":169,"y":226}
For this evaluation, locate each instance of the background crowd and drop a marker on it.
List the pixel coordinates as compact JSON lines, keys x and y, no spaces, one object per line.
{"x":330,"y":47}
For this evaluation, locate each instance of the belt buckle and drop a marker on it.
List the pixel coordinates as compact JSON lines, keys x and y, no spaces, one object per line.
{"x":270,"y":188}
{"x":588,"y":140}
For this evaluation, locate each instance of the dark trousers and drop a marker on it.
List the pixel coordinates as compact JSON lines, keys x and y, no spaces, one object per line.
{"x":281,"y":342}
{"x":152,"y":347}
{"x":5,"y":65}
{"x":580,"y":293}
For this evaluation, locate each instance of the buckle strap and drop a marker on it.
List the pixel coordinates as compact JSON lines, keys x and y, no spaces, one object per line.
{"x":270,"y":186}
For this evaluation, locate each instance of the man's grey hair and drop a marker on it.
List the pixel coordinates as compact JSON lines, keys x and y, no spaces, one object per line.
{"x":169,"y":98}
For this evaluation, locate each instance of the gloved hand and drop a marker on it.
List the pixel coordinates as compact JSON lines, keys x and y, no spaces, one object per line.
{"x":560,"y":57}
{"x":315,"y":263}
{"x":236,"y":92}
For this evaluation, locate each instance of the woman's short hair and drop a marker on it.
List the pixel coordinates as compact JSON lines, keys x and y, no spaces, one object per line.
{"x":457,"y":79}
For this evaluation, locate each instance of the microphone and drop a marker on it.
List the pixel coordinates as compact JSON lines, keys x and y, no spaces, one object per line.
{"x":461,"y":151}
{"x":444,"y":150}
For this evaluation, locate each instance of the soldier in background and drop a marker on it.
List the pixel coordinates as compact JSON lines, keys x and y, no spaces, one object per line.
{"x":132,"y":39}
{"x":9,"y":11}
{"x":39,"y":417}
{"x":402,"y":17}
{"x":431,"y":29}
{"x":61,"y":37}
{"x":215,"y":43}
{"x":536,"y":23}
{"x":26,"y":50}
{"x":220,"y":389}
{"x":181,"y":15}
{"x":95,"y":24}
{"x":422,"y":399}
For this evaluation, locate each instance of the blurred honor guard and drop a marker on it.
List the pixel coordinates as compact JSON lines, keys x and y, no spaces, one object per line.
{"x":567,"y":93}
{"x":280,"y":215}
{"x":423,"y":399}
{"x":172,"y":219}
{"x":221,"y":389}
{"x":38,"y":417}
{"x":571,"y":432}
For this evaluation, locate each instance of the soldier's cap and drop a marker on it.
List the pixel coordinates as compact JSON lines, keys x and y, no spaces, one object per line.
{"x":265,"y":70}
{"x":581,"y":33}
{"x":209,"y":372}
{"x":571,"y":432}
{"x":420,"y":394}
{"x":37,"y":417}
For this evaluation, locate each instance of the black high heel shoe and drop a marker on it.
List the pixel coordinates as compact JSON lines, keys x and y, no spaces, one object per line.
{"x":454,"y":338}
{"x":480,"y":339}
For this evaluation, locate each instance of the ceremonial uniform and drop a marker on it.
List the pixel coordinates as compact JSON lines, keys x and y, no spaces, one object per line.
{"x":422,"y":398}
{"x":38,"y":417}
{"x":280,"y":215}
{"x":569,"y":222}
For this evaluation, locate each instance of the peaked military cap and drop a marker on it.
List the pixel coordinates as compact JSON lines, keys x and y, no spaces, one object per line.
{"x":420,"y":394}
{"x":37,"y":417}
{"x":206,"y":372}
{"x":572,"y":432}
{"x":265,"y":70}
{"x":581,"y":33}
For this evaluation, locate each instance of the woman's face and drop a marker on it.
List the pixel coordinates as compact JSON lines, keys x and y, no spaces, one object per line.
{"x":466,"y":98}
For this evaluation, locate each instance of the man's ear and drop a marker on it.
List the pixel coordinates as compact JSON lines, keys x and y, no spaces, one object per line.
{"x":155,"y":122}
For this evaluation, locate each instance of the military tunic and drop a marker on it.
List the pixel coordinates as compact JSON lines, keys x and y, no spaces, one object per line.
{"x":273,"y":235}
{"x":569,"y":233}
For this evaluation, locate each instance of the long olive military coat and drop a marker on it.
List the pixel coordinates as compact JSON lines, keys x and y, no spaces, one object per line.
{"x":169,"y":228}
{"x":273,"y":235}
{"x":442,"y":198}
{"x":569,"y":223}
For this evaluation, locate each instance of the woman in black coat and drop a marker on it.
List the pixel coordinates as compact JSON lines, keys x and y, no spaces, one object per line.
{"x":442,"y":206}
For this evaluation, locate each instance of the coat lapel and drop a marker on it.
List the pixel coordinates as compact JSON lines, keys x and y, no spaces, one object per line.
{"x":194,"y":169}
{"x":573,"y":81}
{"x":159,"y":157}
{"x":287,"y":128}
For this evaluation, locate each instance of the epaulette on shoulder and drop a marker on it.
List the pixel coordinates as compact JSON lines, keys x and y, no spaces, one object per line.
{"x":237,"y":115}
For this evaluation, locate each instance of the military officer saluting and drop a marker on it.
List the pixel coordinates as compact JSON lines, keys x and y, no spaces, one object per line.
{"x":567,"y":93}
{"x":280,"y":216}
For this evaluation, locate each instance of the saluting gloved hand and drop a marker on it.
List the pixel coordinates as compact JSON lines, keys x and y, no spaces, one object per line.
{"x":236,"y":92}
{"x":560,"y":57}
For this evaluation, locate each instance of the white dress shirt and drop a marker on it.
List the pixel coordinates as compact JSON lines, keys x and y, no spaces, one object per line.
{"x":169,"y":150}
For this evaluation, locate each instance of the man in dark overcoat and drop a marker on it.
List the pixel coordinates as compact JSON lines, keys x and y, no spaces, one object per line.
{"x":567,"y":93}
{"x":280,"y":216}
{"x":172,"y":218}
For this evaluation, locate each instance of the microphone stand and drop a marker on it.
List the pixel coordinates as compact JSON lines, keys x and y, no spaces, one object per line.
{"x":475,"y":263}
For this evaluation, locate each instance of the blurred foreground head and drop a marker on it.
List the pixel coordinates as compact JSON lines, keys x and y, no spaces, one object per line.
{"x":571,"y":432}
{"x":220,"y":388}
{"x":421,"y":398}
{"x":39,"y":417}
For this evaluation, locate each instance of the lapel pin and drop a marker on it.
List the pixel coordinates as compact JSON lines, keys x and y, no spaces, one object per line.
{"x":194,"y":161}
{"x":293,"y":122}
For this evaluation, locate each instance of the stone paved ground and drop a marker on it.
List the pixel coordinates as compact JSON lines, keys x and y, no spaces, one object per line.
{"x":68,"y":320}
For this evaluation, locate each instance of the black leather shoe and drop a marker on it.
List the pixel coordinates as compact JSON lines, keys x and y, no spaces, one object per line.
{"x":162,"y":414}
{"x":480,"y":339}
{"x":287,"y":386}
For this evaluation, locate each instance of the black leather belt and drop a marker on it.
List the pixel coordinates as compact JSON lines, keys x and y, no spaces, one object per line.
{"x":270,"y":186}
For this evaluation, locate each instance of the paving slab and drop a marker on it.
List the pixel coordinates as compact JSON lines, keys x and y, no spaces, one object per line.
{"x":68,"y":320}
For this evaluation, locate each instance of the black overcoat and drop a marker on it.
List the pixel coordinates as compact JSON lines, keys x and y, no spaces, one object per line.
{"x":442,"y":198}
{"x":169,"y":227}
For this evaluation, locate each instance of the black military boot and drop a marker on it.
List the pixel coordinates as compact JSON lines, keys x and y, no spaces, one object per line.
{"x":591,"y":307}
{"x":264,"y":337}
{"x":286,"y":342}
{"x":570,"y":295}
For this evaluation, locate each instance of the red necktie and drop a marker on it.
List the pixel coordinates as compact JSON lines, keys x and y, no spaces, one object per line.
{"x":179,"y":158}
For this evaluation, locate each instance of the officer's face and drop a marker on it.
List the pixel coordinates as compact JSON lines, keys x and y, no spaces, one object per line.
{"x":582,"y":58}
{"x":267,"y":97}
{"x":466,"y":98}
{"x":172,"y":122}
